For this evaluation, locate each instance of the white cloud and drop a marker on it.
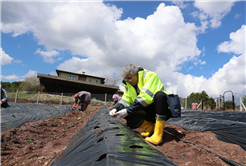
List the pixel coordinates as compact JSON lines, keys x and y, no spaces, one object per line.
{"x":30,"y":73}
{"x":17,"y":61}
{"x":48,"y":55}
{"x":11,"y":77}
{"x":232,"y":76}
{"x":14,"y":77}
{"x":102,"y":37}
{"x":237,"y":15}
{"x":191,"y":67}
{"x":236,"y":44}
{"x":53,"y":73}
{"x":203,"y":63}
{"x":212,"y":11}
{"x":180,"y":4}
{"x":199,"y":61}
{"x":5,"y":58}
{"x":163,"y":35}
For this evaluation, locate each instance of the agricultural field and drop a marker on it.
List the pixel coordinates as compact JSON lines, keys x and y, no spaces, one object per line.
{"x":40,"y":143}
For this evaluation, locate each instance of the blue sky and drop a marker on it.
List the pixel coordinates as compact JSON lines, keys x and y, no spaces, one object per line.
{"x":192,"y":45}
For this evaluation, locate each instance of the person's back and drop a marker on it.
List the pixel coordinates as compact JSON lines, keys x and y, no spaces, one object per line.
{"x":85,"y":99}
{"x":86,"y":96}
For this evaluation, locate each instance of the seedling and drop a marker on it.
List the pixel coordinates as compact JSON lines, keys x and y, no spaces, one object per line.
{"x":29,"y":141}
{"x":18,"y":146}
{"x":53,"y":136}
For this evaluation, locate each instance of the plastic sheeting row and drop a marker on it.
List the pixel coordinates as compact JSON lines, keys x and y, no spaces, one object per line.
{"x":229,"y":126}
{"x":20,"y":113}
{"x":105,"y":140}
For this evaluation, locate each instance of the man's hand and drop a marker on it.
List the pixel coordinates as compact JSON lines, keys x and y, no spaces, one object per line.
{"x":122,"y":113}
{"x":74,"y":107}
{"x":110,"y":108}
{"x":1,"y":102}
{"x":113,"y":112}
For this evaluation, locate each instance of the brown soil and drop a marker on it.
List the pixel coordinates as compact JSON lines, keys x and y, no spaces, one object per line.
{"x":40,"y":143}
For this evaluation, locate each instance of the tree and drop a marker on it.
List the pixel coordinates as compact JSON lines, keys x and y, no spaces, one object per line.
{"x":39,"y":88}
{"x":6,"y":85}
{"x":112,"y":80}
{"x":211,"y":103}
{"x":244,"y":100}
{"x":208,"y":102}
{"x":29,"y":84}
{"x":15,"y":86}
{"x":228,"y":104}
{"x":196,"y":98}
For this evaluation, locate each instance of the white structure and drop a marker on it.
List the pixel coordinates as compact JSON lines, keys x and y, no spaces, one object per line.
{"x":242,"y":105}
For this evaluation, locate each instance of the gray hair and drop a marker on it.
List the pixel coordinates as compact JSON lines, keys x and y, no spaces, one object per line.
{"x":129,"y":68}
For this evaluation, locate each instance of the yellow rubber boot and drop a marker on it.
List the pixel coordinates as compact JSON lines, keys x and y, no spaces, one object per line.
{"x":156,"y":138}
{"x":149,"y":128}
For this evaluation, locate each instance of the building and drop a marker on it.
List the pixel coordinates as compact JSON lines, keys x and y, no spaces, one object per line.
{"x":68,"y":82}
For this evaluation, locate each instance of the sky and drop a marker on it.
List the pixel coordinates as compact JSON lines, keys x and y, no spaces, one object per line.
{"x":191,"y":45}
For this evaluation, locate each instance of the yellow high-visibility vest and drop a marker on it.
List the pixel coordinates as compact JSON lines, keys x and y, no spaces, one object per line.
{"x":148,"y":84}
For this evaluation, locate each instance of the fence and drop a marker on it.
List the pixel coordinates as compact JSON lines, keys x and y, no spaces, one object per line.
{"x":217,"y":104}
{"x":53,"y":97}
{"x":68,"y":98}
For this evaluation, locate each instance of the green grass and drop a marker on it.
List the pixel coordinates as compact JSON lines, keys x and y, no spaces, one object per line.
{"x":23,"y":95}
{"x":11,"y":95}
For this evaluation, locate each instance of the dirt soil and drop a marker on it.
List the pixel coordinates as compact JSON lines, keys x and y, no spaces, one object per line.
{"x":40,"y":143}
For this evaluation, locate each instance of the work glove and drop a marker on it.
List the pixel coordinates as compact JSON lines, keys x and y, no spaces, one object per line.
{"x":113,"y":112}
{"x":110,"y":108}
{"x":122,"y":113}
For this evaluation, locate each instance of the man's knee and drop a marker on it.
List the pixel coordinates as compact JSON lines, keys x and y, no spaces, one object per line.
{"x":160,"y":96}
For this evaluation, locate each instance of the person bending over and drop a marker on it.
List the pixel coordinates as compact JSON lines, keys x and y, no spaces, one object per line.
{"x":84,"y":99}
{"x":115,"y":98}
{"x":144,"y":102}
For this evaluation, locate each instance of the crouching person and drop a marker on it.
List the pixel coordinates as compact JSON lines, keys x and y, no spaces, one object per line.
{"x":84,"y":99}
{"x":144,"y":102}
{"x":4,"y":98}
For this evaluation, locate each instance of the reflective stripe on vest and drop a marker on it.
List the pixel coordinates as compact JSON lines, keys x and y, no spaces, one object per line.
{"x":124,"y":102}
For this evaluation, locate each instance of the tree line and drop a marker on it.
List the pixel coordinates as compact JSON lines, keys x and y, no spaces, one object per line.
{"x":28,"y":84}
